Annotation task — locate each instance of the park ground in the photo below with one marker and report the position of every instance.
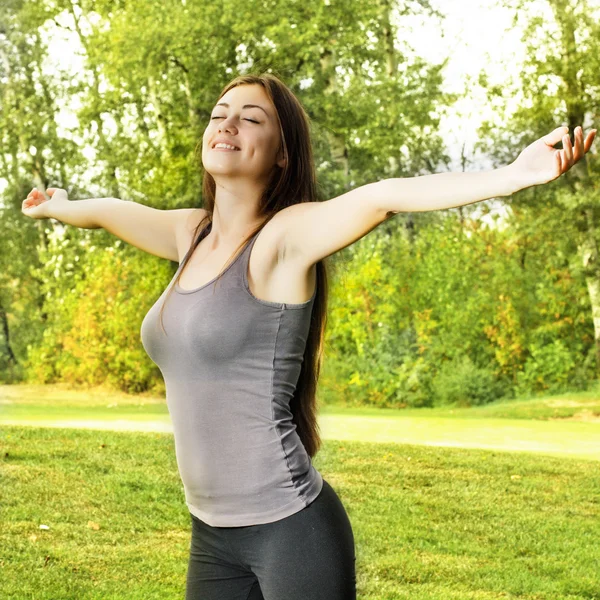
(493, 502)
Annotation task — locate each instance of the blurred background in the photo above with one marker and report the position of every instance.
(463, 307)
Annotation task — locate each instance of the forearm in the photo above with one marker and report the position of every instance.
(441, 191)
(86, 214)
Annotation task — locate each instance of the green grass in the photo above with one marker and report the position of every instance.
(429, 523)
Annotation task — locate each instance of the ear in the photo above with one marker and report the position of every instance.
(281, 160)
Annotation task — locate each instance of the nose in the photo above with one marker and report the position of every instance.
(226, 126)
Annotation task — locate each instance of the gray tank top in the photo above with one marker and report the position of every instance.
(231, 363)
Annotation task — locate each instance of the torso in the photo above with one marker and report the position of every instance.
(270, 276)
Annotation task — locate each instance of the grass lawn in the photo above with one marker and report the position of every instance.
(429, 522)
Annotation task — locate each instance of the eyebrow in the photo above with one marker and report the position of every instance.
(245, 106)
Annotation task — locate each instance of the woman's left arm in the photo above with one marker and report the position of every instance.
(311, 231)
(539, 163)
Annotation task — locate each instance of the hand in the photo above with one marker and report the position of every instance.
(541, 163)
(38, 204)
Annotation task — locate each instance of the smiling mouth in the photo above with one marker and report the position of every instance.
(228, 149)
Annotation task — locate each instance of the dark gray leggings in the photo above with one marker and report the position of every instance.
(309, 555)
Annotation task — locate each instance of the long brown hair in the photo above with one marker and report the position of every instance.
(294, 183)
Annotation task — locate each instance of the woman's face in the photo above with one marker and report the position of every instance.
(254, 130)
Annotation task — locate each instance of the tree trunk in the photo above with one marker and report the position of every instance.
(588, 251)
(163, 134)
(112, 167)
(337, 142)
(574, 90)
(5, 331)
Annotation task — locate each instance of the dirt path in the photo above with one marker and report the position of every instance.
(563, 438)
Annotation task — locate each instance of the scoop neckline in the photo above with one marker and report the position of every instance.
(181, 290)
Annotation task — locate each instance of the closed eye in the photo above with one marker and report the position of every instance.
(251, 120)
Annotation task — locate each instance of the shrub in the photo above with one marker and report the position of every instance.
(549, 368)
(460, 382)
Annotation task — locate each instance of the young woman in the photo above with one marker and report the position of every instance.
(238, 333)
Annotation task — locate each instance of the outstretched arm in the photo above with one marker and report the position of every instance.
(311, 231)
(539, 163)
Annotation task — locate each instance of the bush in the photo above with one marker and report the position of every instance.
(460, 382)
(92, 334)
(376, 380)
(549, 368)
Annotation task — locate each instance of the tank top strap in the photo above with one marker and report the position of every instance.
(249, 245)
(238, 267)
(241, 264)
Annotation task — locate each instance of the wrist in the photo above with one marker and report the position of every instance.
(54, 210)
(515, 178)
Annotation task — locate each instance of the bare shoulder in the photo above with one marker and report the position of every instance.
(192, 217)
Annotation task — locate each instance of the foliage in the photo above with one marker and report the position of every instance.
(429, 309)
(460, 382)
(469, 309)
(92, 335)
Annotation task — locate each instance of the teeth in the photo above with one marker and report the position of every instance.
(221, 145)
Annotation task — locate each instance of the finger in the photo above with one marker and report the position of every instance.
(578, 152)
(561, 166)
(555, 136)
(590, 139)
(568, 149)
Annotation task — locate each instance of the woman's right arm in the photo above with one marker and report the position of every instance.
(150, 229)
